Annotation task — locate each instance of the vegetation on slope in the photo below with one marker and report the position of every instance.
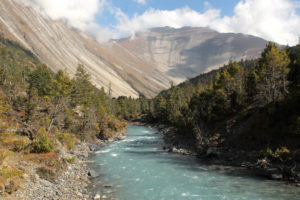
(42, 111)
(248, 105)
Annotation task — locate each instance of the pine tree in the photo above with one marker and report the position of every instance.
(42, 79)
(272, 71)
(83, 87)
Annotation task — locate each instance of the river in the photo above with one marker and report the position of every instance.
(138, 169)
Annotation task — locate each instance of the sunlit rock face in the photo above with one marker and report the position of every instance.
(60, 46)
(187, 52)
(144, 64)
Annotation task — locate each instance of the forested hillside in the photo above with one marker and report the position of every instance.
(41, 112)
(251, 105)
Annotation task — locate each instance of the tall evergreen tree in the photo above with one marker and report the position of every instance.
(272, 72)
(83, 87)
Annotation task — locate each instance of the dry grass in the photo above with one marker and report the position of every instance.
(13, 141)
(42, 157)
(8, 173)
(3, 155)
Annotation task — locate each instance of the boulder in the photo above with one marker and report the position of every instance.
(276, 176)
(274, 173)
(93, 174)
(107, 186)
(47, 174)
(97, 197)
(93, 147)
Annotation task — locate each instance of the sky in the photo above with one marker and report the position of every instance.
(273, 20)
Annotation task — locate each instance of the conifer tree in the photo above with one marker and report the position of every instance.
(272, 72)
(83, 87)
(42, 79)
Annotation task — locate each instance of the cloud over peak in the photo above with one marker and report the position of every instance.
(77, 13)
(275, 20)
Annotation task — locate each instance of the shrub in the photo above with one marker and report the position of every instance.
(267, 153)
(67, 139)
(3, 155)
(283, 153)
(52, 163)
(109, 126)
(106, 134)
(43, 144)
(21, 145)
(70, 160)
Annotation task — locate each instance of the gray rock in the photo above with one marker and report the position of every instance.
(276, 176)
(93, 173)
(274, 173)
(45, 183)
(97, 197)
(107, 186)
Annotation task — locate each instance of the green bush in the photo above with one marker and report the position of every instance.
(21, 145)
(52, 163)
(66, 138)
(283, 153)
(267, 153)
(43, 144)
(70, 160)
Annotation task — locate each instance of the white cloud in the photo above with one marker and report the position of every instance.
(274, 20)
(140, 1)
(77, 13)
(159, 18)
(80, 14)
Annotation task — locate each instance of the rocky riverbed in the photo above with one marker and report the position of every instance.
(72, 182)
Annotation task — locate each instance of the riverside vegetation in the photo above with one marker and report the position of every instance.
(247, 113)
(46, 116)
(249, 105)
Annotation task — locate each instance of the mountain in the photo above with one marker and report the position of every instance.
(187, 52)
(59, 46)
(145, 64)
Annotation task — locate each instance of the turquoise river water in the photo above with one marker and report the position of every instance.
(140, 170)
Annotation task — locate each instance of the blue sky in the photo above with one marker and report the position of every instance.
(273, 20)
(131, 7)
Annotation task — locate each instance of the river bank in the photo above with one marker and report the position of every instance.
(72, 181)
(231, 161)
